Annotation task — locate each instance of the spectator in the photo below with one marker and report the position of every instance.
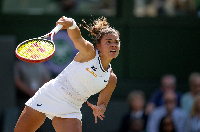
(191, 6)
(168, 109)
(169, 7)
(167, 125)
(168, 83)
(29, 77)
(188, 98)
(193, 121)
(139, 9)
(137, 125)
(135, 119)
(68, 6)
(103, 7)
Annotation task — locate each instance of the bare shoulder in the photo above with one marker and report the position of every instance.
(90, 49)
(89, 54)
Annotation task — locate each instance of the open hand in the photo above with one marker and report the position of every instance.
(96, 111)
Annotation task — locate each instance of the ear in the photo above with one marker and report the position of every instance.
(98, 46)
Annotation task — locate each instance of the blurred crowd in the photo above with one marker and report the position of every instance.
(141, 8)
(167, 110)
(153, 8)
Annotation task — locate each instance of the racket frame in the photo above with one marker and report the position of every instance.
(34, 60)
(51, 34)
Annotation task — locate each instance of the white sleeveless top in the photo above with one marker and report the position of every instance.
(81, 80)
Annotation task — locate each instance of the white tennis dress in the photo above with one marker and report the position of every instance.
(63, 96)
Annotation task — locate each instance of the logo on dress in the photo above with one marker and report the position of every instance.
(91, 72)
(94, 68)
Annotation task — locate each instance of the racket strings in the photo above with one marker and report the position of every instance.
(36, 54)
(36, 49)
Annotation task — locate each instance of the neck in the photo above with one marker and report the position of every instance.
(105, 63)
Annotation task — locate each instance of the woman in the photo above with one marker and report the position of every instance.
(89, 73)
(193, 121)
(167, 125)
(135, 119)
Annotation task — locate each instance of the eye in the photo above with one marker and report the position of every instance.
(108, 42)
(117, 41)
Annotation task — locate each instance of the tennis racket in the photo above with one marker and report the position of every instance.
(39, 49)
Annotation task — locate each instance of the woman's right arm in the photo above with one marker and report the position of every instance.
(85, 47)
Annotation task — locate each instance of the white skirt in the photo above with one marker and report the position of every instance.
(49, 101)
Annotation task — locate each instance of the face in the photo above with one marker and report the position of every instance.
(137, 103)
(168, 84)
(109, 46)
(195, 86)
(170, 101)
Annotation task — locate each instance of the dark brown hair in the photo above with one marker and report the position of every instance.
(99, 28)
(161, 127)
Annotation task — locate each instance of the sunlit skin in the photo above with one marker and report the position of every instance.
(108, 48)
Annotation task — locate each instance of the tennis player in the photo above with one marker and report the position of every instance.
(89, 73)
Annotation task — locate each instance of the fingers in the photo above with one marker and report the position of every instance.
(100, 115)
(64, 21)
(89, 104)
(96, 111)
(95, 119)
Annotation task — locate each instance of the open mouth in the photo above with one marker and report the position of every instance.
(113, 51)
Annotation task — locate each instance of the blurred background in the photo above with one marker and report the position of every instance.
(158, 37)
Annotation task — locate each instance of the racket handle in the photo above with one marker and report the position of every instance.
(57, 28)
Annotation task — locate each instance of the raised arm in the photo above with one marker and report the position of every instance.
(85, 47)
(104, 97)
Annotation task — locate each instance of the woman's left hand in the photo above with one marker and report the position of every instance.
(96, 111)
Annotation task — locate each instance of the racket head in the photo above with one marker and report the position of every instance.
(35, 50)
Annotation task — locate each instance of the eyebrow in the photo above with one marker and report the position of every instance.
(111, 39)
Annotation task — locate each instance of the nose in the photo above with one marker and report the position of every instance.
(113, 44)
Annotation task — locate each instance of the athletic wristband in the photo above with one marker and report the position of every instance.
(74, 24)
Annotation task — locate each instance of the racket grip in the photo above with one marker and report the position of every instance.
(57, 28)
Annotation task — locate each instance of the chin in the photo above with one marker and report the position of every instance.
(114, 56)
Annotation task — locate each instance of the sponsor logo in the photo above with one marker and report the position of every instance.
(91, 72)
(39, 104)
